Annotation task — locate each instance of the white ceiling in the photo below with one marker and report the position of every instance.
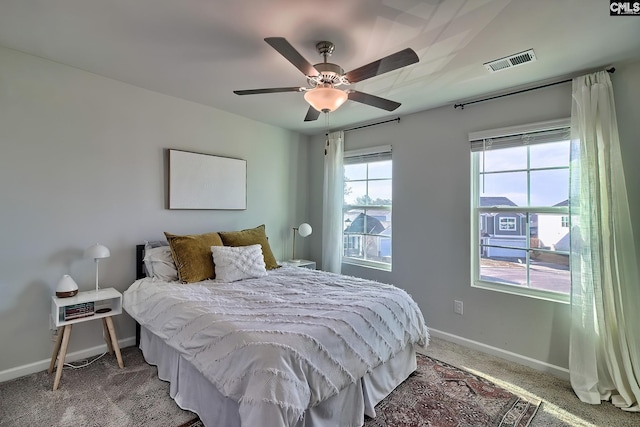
(202, 50)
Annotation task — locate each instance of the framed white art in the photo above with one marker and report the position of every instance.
(204, 181)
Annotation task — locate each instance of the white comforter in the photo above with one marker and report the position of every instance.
(290, 339)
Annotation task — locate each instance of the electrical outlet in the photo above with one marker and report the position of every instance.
(54, 335)
(457, 307)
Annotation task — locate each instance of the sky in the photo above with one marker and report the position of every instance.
(548, 186)
(380, 186)
(504, 175)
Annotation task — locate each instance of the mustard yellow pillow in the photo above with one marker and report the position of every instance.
(192, 255)
(251, 236)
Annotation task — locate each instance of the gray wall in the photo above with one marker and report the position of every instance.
(83, 161)
(626, 87)
(431, 202)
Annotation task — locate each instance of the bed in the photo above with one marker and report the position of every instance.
(293, 347)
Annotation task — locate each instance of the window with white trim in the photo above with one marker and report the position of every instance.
(508, 223)
(519, 210)
(367, 207)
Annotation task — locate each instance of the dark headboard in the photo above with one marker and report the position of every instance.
(140, 274)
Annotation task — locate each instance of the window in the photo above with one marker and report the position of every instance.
(508, 224)
(520, 210)
(367, 207)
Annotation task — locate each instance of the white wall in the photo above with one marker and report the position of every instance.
(83, 160)
(626, 87)
(431, 202)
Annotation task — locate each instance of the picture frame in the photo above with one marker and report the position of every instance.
(205, 181)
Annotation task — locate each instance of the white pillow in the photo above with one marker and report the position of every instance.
(159, 263)
(238, 262)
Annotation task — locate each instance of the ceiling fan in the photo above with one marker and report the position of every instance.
(324, 77)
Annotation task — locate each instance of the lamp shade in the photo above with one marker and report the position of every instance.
(304, 229)
(97, 251)
(67, 287)
(325, 98)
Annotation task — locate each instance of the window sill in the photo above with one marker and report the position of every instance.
(367, 264)
(522, 291)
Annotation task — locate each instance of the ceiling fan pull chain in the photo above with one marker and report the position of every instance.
(326, 122)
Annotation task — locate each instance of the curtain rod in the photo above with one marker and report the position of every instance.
(397, 119)
(609, 70)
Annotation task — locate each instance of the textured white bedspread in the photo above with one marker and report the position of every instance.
(290, 339)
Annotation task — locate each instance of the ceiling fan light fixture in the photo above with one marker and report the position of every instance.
(323, 78)
(325, 98)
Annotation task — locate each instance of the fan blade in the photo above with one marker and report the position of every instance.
(312, 114)
(388, 63)
(270, 90)
(374, 101)
(292, 55)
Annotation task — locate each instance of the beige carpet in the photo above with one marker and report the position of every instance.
(104, 395)
(560, 406)
(100, 394)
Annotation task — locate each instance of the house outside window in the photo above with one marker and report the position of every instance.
(367, 207)
(519, 210)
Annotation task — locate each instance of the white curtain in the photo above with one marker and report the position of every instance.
(604, 353)
(333, 196)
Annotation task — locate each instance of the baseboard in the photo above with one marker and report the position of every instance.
(539, 365)
(42, 365)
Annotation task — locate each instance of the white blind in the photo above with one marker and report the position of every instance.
(536, 133)
(366, 155)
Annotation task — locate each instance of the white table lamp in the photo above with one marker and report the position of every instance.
(97, 252)
(303, 230)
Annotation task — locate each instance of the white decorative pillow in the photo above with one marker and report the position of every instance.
(238, 262)
(159, 263)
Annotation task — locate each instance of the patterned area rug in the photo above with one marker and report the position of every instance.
(441, 395)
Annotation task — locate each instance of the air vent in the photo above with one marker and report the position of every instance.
(511, 61)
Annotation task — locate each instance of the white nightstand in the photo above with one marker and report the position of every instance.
(304, 263)
(88, 305)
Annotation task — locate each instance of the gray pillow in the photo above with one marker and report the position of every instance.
(158, 261)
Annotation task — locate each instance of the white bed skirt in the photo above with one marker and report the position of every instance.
(193, 392)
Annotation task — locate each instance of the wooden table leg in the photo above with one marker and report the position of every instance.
(63, 353)
(107, 336)
(114, 340)
(56, 349)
